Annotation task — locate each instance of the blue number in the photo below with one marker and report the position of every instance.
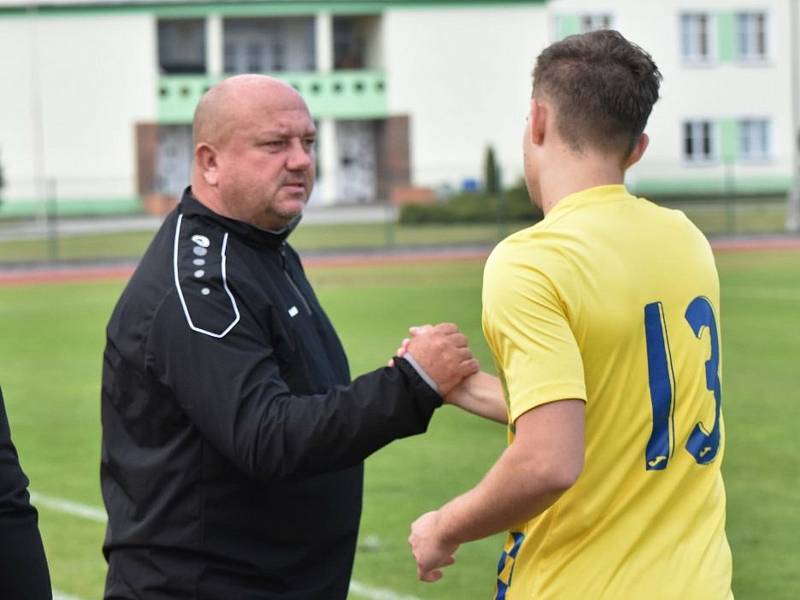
(659, 370)
(701, 445)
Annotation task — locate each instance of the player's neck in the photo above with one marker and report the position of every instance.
(563, 178)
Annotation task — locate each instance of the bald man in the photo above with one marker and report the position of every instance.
(233, 438)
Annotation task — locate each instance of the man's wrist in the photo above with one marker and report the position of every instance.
(421, 372)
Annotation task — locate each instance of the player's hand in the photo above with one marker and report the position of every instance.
(443, 352)
(431, 553)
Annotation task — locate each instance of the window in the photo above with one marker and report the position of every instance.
(349, 43)
(751, 35)
(249, 45)
(754, 139)
(699, 144)
(269, 45)
(695, 43)
(595, 22)
(182, 46)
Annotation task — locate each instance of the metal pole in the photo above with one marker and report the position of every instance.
(52, 221)
(793, 202)
(37, 127)
(390, 222)
(730, 201)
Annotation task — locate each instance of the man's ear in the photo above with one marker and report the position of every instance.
(206, 157)
(539, 117)
(637, 152)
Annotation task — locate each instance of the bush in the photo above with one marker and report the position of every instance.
(475, 207)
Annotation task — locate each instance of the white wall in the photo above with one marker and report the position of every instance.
(463, 76)
(16, 108)
(96, 77)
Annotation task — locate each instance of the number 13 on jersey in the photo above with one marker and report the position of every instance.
(701, 444)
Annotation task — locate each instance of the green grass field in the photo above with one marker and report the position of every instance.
(50, 354)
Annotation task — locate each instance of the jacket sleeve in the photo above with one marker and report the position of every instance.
(23, 566)
(232, 390)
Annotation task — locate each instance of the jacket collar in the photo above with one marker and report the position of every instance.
(190, 205)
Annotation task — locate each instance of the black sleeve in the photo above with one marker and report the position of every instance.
(23, 567)
(231, 388)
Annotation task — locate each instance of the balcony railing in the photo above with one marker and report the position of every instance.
(336, 95)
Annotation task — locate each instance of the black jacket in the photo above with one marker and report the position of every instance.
(23, 568)
(232, 435)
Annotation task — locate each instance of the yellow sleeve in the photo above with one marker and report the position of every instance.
(526, 327)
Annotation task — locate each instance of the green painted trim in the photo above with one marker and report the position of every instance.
(729, 139)
(726, 36)
(253, 8)
(758, 184)
(76, 206)
(567, 25)
(338, 95)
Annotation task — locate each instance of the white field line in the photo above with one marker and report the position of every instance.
(98, 515)
(57, 595)
(76, 509)
(371, 593)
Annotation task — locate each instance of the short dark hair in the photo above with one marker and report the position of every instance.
(603, 88)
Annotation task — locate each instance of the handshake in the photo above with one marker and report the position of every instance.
(442, 352)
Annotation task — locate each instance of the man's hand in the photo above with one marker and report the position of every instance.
(480, 394)
(443, 353)
(429, 549)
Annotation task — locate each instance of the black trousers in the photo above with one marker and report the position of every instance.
(23, 567)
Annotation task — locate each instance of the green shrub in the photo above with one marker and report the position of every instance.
(475, 207)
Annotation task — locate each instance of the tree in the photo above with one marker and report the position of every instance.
(491, 172)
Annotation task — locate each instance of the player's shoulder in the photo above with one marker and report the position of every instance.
(200, 272)
(527, 247)
(673, 227)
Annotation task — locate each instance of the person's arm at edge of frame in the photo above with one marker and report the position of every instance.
(544, 461)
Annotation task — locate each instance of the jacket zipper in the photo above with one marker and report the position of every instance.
(292, 283)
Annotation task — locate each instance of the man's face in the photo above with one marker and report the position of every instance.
(266, 164)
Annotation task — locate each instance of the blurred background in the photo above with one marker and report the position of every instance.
(420, 108)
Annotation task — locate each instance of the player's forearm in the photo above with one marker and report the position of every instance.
(513, 491)
(482, 395)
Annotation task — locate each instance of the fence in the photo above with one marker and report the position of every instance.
(55, 228)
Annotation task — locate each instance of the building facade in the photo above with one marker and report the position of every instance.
(725, 119)
(98, 96)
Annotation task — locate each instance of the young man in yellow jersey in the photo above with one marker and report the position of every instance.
(603, 320)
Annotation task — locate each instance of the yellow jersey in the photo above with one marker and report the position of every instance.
(615, 301)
